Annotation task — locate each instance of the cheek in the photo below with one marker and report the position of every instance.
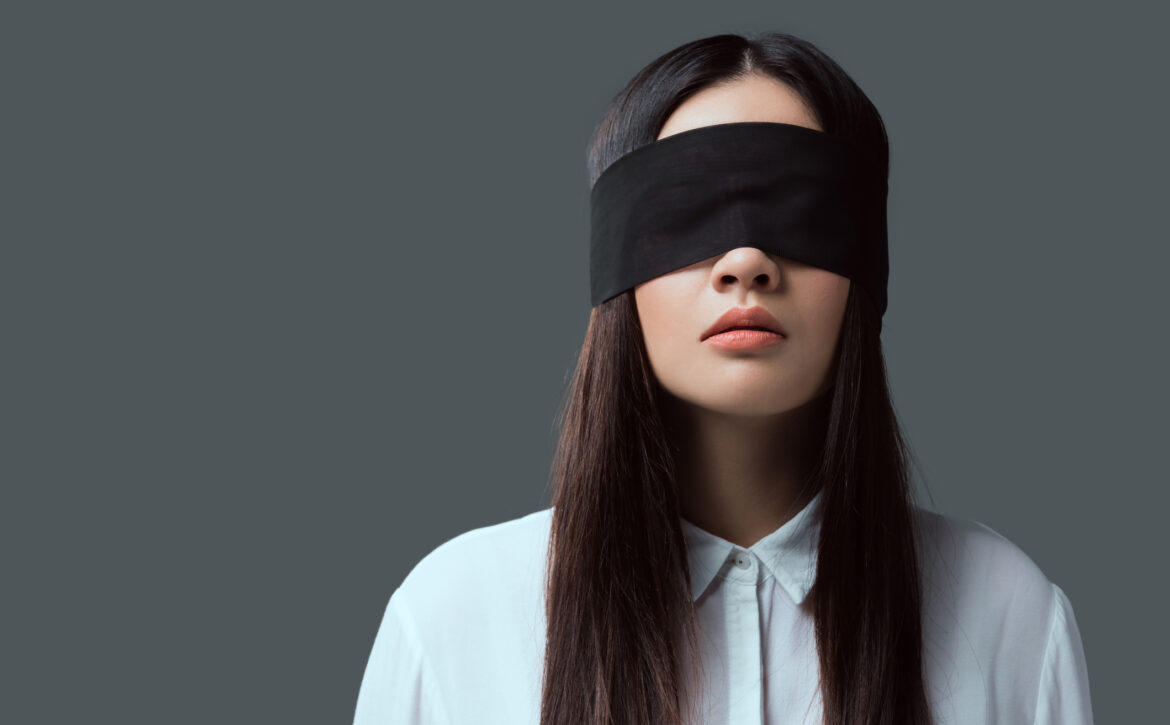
(818, 298)
(824, 295)
(658, 306)
(828, 288)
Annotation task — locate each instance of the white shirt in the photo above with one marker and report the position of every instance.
(462, 638)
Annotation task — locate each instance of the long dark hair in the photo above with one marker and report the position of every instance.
(621, 620)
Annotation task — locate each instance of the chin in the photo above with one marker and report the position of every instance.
(745, 405)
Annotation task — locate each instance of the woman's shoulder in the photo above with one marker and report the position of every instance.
(972, 554)
(484, 564)
(467, 619)
(980, 583)
(1000, 634)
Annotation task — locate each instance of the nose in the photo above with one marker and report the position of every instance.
(748, 267)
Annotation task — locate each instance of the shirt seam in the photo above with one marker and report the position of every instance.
(1046, 666)
(411, 633)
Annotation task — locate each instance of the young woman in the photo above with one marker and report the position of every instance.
(733, 537)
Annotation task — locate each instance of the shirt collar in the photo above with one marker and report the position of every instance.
(789, 552)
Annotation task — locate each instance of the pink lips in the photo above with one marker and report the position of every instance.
(745, 339)
(733, 329)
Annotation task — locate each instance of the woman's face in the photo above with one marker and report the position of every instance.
(809, 302)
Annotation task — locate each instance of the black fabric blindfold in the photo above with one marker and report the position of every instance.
(789, 190)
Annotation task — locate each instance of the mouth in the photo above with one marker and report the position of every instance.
(745, 318)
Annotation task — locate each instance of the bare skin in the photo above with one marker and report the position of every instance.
(747, 423)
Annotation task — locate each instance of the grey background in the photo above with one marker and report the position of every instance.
(291, 292)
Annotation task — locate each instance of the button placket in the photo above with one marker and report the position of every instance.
(746, 658)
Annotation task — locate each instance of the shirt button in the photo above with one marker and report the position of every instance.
(742, 561)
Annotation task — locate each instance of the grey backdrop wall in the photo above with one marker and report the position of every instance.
(291, 292)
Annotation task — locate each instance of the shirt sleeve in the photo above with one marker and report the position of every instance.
(1064, 677)
(398, 687)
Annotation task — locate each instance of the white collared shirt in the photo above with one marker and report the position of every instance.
(462, 638)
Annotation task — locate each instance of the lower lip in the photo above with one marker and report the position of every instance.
(745, 339)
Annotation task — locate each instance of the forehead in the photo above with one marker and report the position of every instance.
(755, 98)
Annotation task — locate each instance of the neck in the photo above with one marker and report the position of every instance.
(740, 477)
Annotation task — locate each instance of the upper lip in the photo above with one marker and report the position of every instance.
(744, 317)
